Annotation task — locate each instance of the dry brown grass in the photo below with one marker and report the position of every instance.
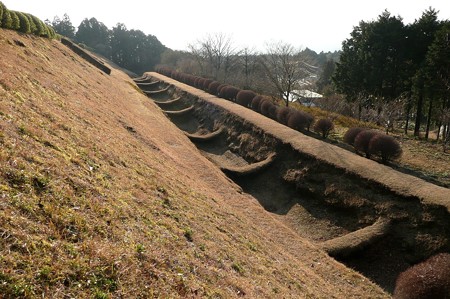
(102, 197)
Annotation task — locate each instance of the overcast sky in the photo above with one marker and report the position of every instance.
(320, 25)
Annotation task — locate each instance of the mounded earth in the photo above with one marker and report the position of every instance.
(103, 196)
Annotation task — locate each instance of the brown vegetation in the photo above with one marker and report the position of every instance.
(350, 135)
(245, 97)
(362, 141)
(283, 115)
(385, 147)
(427, 280)
(323, 126)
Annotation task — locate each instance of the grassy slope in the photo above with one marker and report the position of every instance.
(101, 196)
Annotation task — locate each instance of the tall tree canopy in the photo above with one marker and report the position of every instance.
(64, 26)
(134, 50)
(384, 61)
(95, 35)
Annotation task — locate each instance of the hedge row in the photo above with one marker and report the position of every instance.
(373, 143)
(24, 22)
(290, 117)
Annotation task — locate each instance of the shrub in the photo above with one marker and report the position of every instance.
(6, 19)
(362, 141)
(245, 97)
(24, 23)
(199, 83)
(50, 32)
(206, 83)
(213, 87)
(15, 25)
(350, 135)
(324, 126)
(427, 280)
(266, 107)
(173, 74)
(283, 115)
(2, 9)
(40, 26)
(230, 92)
(256, 103)
(299, 120)
(386, 147)
(33, 26)
(221, 89)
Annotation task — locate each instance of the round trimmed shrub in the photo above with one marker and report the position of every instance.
(6, 19)
(200, 82)
(283, 115)
(427, 280)
(221, 90)
(213, 87)
(362, 141)
(24, 23)
(256, 103)
(350, 135)
(40, 26)
(245, 97)
(323, 126)
(51, 33)
(206, 84)
(300, 120)
(230, 92)
(2, 9)
(386, 147)
(15, 25)
(33, 26)
(268, 109)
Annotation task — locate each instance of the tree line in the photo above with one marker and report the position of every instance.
(278, 71)
(399, 70)
(131, 49)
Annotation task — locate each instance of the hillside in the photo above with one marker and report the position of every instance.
(102, 196)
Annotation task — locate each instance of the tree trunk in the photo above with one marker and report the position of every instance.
(419, 112)
(430, 109)
(408, 112)
(439, 131)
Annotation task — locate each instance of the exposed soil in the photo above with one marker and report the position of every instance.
(324, 192)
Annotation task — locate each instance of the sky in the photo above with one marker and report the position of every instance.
(320, 25)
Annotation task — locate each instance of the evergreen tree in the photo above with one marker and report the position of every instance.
(95, 35)
(325, 77)
(421, 36)
(64, 26)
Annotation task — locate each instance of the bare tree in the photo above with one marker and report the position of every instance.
(284, 67)
(248, 65)
(214, 54)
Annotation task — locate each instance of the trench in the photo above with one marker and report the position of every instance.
(370, 226)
